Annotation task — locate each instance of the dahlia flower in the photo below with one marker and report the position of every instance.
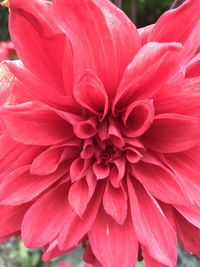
(100, 132)
(7, 50)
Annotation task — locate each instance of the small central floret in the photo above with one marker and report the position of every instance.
(107, 154)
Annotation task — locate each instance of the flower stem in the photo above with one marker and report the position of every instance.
(177, 3)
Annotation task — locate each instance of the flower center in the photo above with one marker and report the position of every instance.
(107, 154)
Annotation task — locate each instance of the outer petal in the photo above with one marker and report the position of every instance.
(45, 218)
(169, 28)
(160, 182)
(6, 80)
(153, 232)
(20, 187)
(188, 235)
(186, 94)
(193, 68)
(115, 203)
(98, 38)
(11, 218)
(169, 133)
(154, 65)
(113, 244)
(43, 52)
(149, 261)
(35, 123)
(76, 228)
(32, 87)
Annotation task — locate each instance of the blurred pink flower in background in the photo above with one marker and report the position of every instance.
(63, 264)
(7, 50)
(100, 132)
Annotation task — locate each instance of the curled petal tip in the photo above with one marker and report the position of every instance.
(6, 3)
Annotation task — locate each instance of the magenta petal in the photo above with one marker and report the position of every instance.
(75, 227)
(113, 244)
(6, 81)
(149, 261)
(160, 182)
(32, 87)
(187, 94)
(48, 161)
(138, 118)
(193, 68)
(20, 186)
(43, 52)
(101, 49)
(86, 129)
(90, 93)
(45, 218)
(169, 27)
(188, 235)
(191, 213)
(153, 232)
(78, 168)
(81, 192)
(140, 80)
(169, 133)
(35, 123)
(101, 170)
(115, 203)
(11, 218)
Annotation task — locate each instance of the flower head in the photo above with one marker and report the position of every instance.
(100, 132)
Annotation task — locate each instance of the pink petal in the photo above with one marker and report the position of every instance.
(193, 68)
(86, 129)
(149, 261)
(138, 118)
(81, 192)
(144, 33)
(117, 172)
(47, 162)
(113, 244)
(20, 186)
(6, 81)
(169, 133)
(75, 227)
(88, 149)
(35, 123)
(187, 94)
(160, 182)
(101, 170)
(34, 88)
(115, 203)
(153, 232)
(101, 49)
(191, 213)
(43, 52)
(90, 93)
(45, 218)
(78, 168)
(140, 79)
(188, 235)
(186, 167)
(11, 218)
(169, 27)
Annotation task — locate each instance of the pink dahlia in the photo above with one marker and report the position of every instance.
(100, 132)
(7, 50)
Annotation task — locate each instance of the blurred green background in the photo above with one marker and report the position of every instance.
(14, 253)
